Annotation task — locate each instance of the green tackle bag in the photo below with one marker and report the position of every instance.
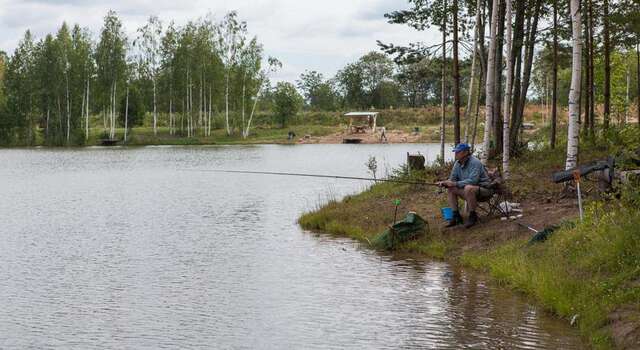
(411, 227)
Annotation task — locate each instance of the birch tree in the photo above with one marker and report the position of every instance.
(443, 124)
(574, 92)
(168, 51)
(490, 87)
(63, 53)
(263, 82)
(473, 81)
(81, 71)
(507, 92)
(149, 45)
(231, 36)
(111, 66)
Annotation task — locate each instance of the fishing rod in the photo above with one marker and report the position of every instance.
(317, 176)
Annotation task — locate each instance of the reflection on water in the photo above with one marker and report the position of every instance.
(123, 248)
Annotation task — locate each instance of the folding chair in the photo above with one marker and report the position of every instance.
(492, 205)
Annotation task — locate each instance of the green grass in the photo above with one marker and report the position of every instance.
(590, 270)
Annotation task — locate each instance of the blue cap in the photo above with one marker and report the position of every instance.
(461, 147)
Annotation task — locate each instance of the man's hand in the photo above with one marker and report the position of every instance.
(447, 184)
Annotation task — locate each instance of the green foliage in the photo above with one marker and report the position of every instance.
(368, 82)
(137, 108)
(110, 58)
(319, 94)
(287, 102)
(596, 259)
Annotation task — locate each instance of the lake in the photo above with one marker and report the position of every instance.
(144, 248)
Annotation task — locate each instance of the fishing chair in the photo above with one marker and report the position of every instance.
(493, 204)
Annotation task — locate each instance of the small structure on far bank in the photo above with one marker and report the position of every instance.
(362, 122)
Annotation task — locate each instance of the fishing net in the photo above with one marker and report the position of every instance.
(411, 227)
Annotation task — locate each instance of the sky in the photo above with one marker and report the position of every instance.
(305, 35)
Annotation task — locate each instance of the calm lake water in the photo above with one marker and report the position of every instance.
(124, 248)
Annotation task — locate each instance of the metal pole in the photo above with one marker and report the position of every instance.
(576, 177)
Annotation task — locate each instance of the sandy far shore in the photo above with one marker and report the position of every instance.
(393, 136)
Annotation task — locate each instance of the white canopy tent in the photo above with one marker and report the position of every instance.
(369, 117)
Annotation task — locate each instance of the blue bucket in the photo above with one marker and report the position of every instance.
(447, 213)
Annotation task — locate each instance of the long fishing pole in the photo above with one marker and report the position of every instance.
(316, 176)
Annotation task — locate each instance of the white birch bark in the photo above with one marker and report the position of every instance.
(627, 105)
(507, 92)
(68, 113)
(203, 103)
(247, 130)
(244, 92)
(126, 115)
(210, 110)
(574, 94)
(172, 122)
(226, 102)
(84, 100)
(490, 83)
(86, 131)
(155, 109)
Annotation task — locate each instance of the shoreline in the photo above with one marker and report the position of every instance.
(334, 138)
(558, 274)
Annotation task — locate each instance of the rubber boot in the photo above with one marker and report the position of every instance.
(472, 220)
(457, 220)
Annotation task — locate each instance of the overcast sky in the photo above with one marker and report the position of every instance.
(305, 35)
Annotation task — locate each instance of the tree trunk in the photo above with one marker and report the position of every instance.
(638, 81)
(491, 71)
(203, 102)
(155, 109)
(115, 109)
(68, 113)
(226, 101)
(255, 103)
(591, 68)
(587, 101)
(244, 93)
(444, 83)
(518, 117)
(507, 93)
(554, 99)
(477, 110)
(483, 75)
(607, 65)
(126, 114)
(47, 128)
(210, 110)
(516, 53)
(474, 74)
(574, 93)
(497, 110)
(628, 99)
(456, 77)
(87, 114)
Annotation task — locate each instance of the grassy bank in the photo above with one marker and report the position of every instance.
(588, 271)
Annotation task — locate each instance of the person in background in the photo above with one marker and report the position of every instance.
(468, 180)
(383, 135)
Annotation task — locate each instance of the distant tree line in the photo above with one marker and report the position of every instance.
(55, 87)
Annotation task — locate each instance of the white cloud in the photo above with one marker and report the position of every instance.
(315, 35)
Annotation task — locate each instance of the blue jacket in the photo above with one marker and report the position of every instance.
(471, 173)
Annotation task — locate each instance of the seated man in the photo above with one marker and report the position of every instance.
(468, 180)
